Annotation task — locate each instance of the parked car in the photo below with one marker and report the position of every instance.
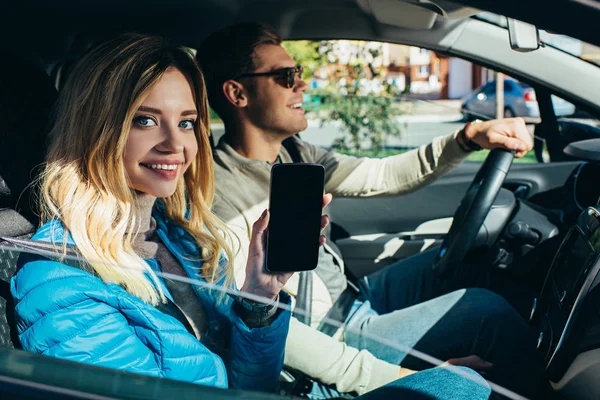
(519, 101)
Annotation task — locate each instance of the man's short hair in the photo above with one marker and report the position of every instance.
(228, 53)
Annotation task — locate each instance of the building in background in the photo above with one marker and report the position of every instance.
(417, 72)
(432, 75)
(426, 74)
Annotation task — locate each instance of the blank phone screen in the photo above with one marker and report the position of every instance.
(294, 228)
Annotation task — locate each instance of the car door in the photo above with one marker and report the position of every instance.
(374, 232)
(389, 229)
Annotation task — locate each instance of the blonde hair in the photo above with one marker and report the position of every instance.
(84, 184)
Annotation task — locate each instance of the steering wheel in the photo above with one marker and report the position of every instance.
(473, 210)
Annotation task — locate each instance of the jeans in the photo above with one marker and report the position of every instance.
(410, 307)
(448, 383)
(454, 383)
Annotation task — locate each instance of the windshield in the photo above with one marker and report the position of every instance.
(567, 44)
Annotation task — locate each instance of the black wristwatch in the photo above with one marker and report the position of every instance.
(256, 314)
(463, 141)
(257, 306)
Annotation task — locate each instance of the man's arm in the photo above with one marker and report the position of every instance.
(348, 176)
(346, 367)
(333, 362)
(351, 176)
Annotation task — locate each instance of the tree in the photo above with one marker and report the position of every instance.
(355, 94)
(307, 54)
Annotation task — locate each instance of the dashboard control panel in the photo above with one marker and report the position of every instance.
(568, 301)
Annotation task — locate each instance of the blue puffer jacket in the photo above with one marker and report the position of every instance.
(65, 312)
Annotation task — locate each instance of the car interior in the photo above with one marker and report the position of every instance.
(533, 229)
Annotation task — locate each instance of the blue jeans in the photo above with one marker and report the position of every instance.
(410, 307)
(454, 383)
(448, 383)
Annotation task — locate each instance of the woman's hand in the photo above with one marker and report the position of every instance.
(259, 281)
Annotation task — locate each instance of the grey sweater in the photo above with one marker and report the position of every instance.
(147, 244)
(242, 187)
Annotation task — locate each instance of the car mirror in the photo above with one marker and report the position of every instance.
(523, 37)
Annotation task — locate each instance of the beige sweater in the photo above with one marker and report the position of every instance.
(242, 195)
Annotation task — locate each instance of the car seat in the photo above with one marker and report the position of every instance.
(27, 98)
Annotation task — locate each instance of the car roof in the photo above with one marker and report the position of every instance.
(54, 32)
(52, 24)
(583, 15)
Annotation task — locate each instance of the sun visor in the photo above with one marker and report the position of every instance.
(413, 14)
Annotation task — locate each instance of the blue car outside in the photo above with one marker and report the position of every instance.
(519, 101)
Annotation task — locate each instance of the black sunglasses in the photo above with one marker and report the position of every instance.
(288, 73)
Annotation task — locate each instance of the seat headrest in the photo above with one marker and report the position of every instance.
(27, 98)
(14, 224)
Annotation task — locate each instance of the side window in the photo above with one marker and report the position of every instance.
(423, 70)
(574, 124)
(378, 99)
(564, 109)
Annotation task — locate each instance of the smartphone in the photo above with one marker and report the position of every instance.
(295, 205)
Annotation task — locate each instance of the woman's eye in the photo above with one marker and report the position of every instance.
(144, 121)
(187, 124)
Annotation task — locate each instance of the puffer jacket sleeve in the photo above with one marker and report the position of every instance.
(256, 355)
(68, 313)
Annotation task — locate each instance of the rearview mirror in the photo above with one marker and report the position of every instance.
(523, 37)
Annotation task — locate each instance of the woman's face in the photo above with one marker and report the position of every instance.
(162, 143)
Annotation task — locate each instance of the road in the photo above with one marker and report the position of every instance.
(417, 130)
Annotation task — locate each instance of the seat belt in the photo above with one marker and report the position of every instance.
(343, 305)
(169, 308)
(548, 124)
(292, 149)
(303, 309)
(300, 384)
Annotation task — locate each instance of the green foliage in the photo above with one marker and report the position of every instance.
(214, 117)
(367, 121)
(365, 111)
(306, 53)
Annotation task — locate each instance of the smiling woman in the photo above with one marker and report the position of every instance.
(161, 142)
(110, 154)
(132, 126)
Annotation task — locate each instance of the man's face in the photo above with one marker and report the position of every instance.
(272, 106)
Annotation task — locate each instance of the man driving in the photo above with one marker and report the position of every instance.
(257, 89)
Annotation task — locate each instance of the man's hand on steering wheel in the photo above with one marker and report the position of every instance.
(506, 138)
(508, 133)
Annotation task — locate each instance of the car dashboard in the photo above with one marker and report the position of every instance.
(560, 241)
(566, 312)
